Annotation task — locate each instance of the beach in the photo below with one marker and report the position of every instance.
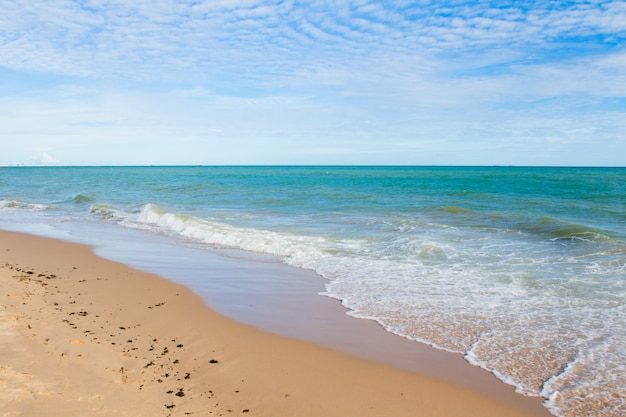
(429, 188)
(86, 336)
(513, 275)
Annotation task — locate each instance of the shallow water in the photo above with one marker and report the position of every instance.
(522, 270)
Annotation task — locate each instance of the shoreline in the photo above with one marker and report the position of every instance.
(119, 338)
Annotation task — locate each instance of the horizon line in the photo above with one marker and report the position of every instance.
(304, 166)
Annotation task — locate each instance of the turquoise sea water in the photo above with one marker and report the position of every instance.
(523, 270)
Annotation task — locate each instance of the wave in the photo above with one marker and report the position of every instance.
(557, 230)
(81, 199)
(105, 211)
(454, 209)
(296, 249)
(18, 205)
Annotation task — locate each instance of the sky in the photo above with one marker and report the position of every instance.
(238, 82)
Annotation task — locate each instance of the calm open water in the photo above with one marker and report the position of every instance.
(523, 270)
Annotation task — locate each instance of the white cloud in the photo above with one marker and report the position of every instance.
(47, 159)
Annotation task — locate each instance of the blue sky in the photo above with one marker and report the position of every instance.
(108, 82)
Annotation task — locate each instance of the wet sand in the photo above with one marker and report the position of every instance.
(80, 335)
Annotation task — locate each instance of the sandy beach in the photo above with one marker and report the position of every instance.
(84, 336)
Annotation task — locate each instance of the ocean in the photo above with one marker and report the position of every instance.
(521, 270)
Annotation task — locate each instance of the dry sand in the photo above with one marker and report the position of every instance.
(83, 336)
